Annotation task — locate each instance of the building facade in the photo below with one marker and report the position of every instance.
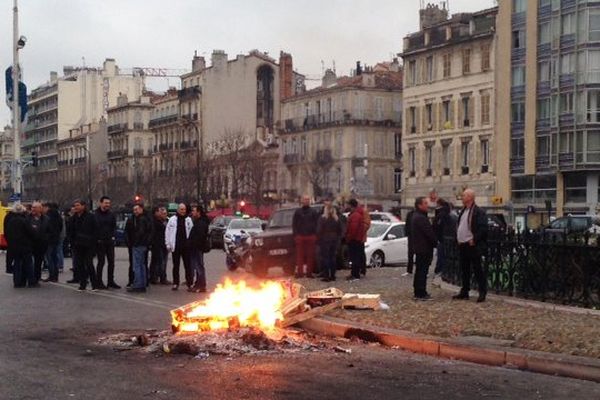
(6, 158)
(80, 97)
(549, 103)
(449, 96)
(343, 138)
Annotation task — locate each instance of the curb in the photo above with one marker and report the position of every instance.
(525, 302)
(497, 356)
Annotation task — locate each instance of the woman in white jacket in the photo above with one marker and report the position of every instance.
(177, 234)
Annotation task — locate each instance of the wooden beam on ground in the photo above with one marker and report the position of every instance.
(314, 312)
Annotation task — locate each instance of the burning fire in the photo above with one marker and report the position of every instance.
(233, 305)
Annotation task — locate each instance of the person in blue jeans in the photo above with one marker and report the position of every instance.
(198, 244)
(140, 241)
(329, 235)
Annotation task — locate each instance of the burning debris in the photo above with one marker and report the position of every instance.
(239, 319)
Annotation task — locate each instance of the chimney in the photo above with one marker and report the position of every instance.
(110, 67)
(198, 62)
(218, 59)
(53, 76)
(432, 15)
(358, 68)
(329, 79)
(286, 76)
(122, 100)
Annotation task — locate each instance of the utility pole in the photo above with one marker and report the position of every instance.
(89, 167)
(17, 171)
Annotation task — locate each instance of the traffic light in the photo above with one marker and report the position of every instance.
(242, 205)
(34, 158)
(137, 199)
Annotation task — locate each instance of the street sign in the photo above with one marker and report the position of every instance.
(363, 187)
(14, 197)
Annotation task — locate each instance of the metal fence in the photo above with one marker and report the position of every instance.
(554, 267)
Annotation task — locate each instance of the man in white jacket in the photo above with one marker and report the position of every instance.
(177, 234)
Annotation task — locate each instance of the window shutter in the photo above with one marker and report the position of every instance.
(418, 119)
(440, 116)
(472, 111)
(453, 113)
(461, 114)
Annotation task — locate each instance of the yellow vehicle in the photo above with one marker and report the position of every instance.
(3, 211)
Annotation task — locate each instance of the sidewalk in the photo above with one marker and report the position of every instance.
(495, 321)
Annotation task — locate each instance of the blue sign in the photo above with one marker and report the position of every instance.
(15, 197)
(23, 107)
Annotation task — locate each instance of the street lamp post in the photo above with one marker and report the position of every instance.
(18, 43)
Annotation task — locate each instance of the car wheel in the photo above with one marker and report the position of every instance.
(377, 259)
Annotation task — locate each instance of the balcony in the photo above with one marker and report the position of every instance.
(169, 119)
(138, 126)
(291, 159)
(116, 128)
(339, 118)
(189, 94)
(138, 153)
(114, 154)
(324, 157)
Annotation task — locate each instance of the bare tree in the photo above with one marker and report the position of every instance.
(317, 170)
(230, 148)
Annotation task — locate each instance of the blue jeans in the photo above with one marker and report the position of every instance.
(52, 260)
(139, 267)
(197, 261)
(23, 270)
(329, 257)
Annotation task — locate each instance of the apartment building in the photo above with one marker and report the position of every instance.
(449, 95)
(6, 158)
(80, 97)
(548, 104)
(343, 138)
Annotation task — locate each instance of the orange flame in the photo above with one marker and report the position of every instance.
(233, 303)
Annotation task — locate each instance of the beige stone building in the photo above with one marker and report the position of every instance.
(343, 138)
(80, 97)
(449, 96)
(82, 163)
(130, 147)
(6, 158)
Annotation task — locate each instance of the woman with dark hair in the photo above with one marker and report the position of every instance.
(445, 228)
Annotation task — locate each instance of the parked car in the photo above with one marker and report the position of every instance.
(120, 240)
(275, 246)
(236, 227)
(216, 230)
(573, 224)
(383, 216)
(386, 244)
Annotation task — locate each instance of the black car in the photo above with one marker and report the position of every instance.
(275, 246)
(573, 224)
(217, 229)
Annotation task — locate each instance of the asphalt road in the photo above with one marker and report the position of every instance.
(48, 351)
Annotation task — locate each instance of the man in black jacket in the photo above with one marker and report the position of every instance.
(105, 247)
(423, 241)
(158, 263)
(55, 227)
(411, 253)
(39, 223)
(198, 244)
(9, 257)
(472, 236)
(83, 240)
(140, 241)
(20, 237)
(304, 229)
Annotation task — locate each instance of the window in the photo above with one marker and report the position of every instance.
(447, 61)
(485, 109)
(412, 114)
(429, 159)
(485, 57)
(576, 188)
(485, 155)
(566, 103)
(429, 113)
(567, 63)
(543, 108)
(518, 112)
(543, 146)
(464, 157)
(593, 106)
(466, 61)
(397, 180)
(429, 68)
(361, 144)
(303, 147)
(517, 148)
(447, 111)
(518, 39)
(466, 103)
(519, 6)
(565, 144)
(594, 26)
(338, 144)
(379, 108)
(412, 159)
(397, 145)
(568, 25)
(544, 71)
(518, 76)
(593, 146)
(446, 157)
(412, 72)
(545, 33)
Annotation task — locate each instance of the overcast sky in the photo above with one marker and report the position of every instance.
(165, 33)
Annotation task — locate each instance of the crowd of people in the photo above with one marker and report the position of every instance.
(35, 237)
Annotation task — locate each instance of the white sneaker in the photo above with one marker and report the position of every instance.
(406, 274)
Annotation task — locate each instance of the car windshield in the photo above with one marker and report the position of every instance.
(377, 230)
(244, 224)
(282, 219)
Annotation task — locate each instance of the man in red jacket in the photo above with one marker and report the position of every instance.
(355, 239)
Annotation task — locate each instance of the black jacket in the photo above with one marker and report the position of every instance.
(55, 226)
(479, 224)
(158, 234)
(328, 229)
(199, 234)
(305, 221)
(83, 230)
(444, 223)
(107, 225)
(20, 236)
(42, 233)
(141, 231)
(422, 235)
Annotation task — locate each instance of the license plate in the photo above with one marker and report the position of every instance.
(278, 252)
